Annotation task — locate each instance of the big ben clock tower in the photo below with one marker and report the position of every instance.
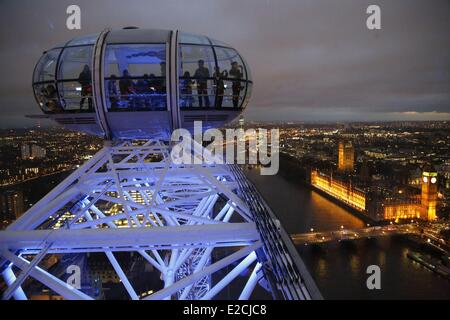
(429, 193)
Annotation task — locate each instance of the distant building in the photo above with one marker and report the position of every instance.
(11, 206)
(365, 171)
(25, 151)
(346, 156)
(422, 206)
(429, 192)
(37, 152)
(396, 204)
(32, 152)
(341, 190)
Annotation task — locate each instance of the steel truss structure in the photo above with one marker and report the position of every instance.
(131, 197)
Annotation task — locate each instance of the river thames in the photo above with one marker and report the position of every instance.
(339, 269)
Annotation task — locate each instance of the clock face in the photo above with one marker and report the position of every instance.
(433, 180)
(425, 179)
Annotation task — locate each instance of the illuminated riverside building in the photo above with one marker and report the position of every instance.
(421, 206)
(378, 204)
(346, 156)
(395, 209)
(340, 190)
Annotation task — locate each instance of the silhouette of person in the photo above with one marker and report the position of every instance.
(161, 88)
(86, 88)
(143, 89)
(153, 85)
(237, 74)
(202, 75)
(126, 86)
(186, 90)
(112, 91)
(219, 84)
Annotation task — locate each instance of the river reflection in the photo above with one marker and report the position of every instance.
(301, 208)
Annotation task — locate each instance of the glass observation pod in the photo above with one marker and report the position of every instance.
(136, 83)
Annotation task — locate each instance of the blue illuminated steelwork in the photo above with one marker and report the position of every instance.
(187, 222)
(174, 216)
(121, 201)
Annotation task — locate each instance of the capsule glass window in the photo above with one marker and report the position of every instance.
(44, 84)
(135, 77)
(75, 79)
(46, 67)
(196, 76)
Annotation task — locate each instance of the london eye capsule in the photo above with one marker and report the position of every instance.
(137, 83)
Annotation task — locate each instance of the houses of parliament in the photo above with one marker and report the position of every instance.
(379, 200)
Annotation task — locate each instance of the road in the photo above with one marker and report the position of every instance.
(430, 231)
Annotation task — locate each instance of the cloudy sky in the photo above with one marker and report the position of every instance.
(311, 60)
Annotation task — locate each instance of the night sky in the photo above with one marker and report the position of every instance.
(311, 60)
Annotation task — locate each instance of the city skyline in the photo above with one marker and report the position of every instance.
(311, 61)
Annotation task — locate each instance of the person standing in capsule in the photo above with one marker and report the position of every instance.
(237, 74)
(86, 88)
(202, 75)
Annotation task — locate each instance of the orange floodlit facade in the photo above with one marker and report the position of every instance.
(346, 156)
(422, 206)
(342, 191)
(429, 194)
(402, 211)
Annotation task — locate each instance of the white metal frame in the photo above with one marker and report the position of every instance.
(174, 216)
